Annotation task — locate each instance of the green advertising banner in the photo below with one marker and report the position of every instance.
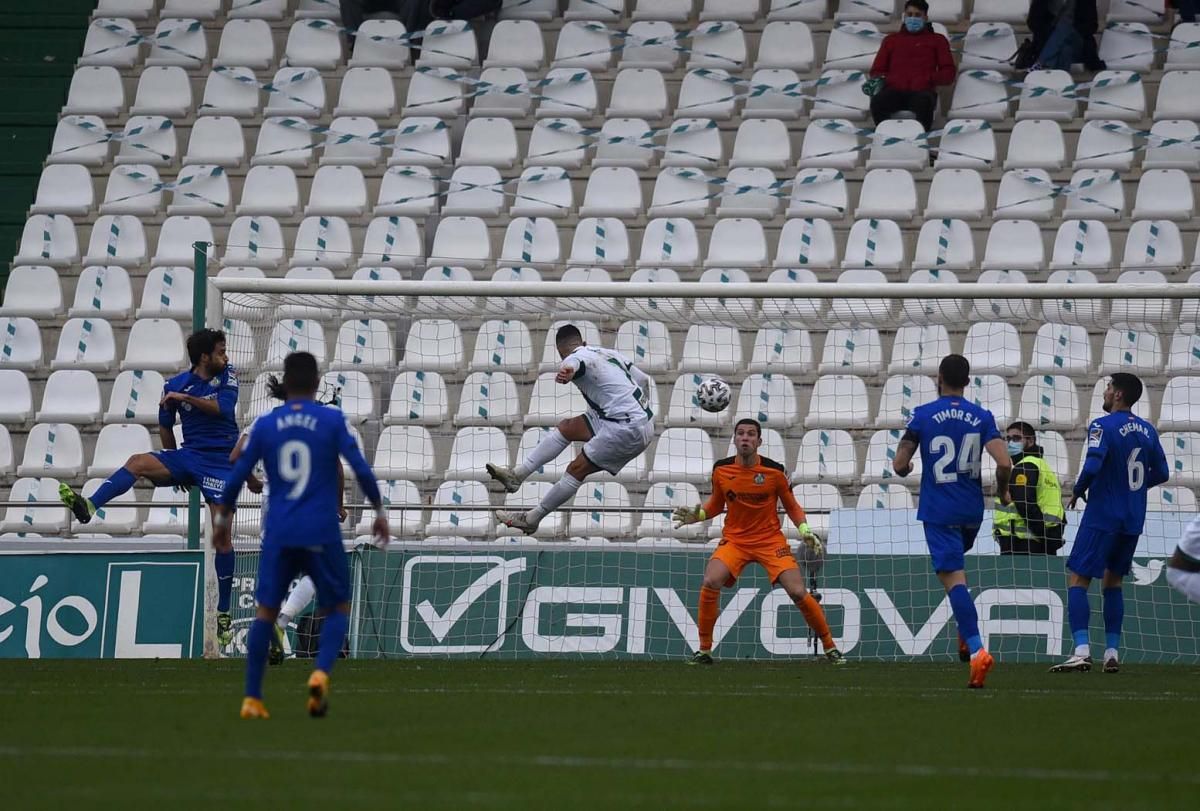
(526, 602)
(111, 606)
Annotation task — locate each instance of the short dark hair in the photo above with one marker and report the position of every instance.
(203, 342)
(955, 371)
(747, 421)
(300, 374)
(1025, 428)
(1129, 385)
(567, 333)
(919, 5)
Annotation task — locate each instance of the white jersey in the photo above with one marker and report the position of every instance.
(1189, 544)
(614, 388)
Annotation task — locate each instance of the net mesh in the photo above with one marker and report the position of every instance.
(440, 379)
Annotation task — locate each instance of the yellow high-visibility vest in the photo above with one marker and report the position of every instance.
(1008, 521)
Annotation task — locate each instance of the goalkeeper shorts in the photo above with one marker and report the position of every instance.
(776, 558)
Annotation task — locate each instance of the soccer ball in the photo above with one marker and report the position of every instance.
(713, 394)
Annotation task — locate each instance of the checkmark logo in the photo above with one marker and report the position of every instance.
(442, 623)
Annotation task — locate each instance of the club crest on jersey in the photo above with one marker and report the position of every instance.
(759, 478)
(1095, 434)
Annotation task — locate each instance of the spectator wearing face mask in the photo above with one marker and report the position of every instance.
(1033, 523)
(911, 64)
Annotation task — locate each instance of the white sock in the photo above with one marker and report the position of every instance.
(559, 494)
(550, 446)
(1083, 650)
(299, 599)
(1110, 653)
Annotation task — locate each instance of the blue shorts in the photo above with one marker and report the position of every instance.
(948, 544)
(326, 564)
(1096, 551)
(207, 470)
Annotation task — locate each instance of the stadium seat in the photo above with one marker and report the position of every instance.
(720, 44)
(304, 96)
(852, 45)
(115, 444)
(391, 242)
(364, 345)
(95, 90)
(1036, 143)
(612, 191)
(980, 94)
(170, 516)
(135, 398)
(819, 193)
(919, 349)
(1081, 243)
(1171, 499)
(271, 191)
(503, 346)
(48, 240)
(833, 143)
(111, 41)
(354, 392)
(711, 348)
(472, 449)
(163, 90)
(875, 243)
(365, 149)
(1180, 410)
(85, 343)
(556, 142)
(773, 101)
(740, 10)
(993, 348)
(516, 44)
(600, 241)
(543, 191)
(254, 241)
(683, 455)
(70, 396)
(669, 496)
(782, 351)
(455, 494)
(1183, 356)
(177, 238)
(296, 335)
(1183, 51)
(488, 398)
(1178, 155)
(787, 45)
(431, 94)
(323, 241)
(64, 189)
(968, 143)
(956, 193)
(647, 344)
(34, 291)
(570, 93)
(650, 44)
(1074, 311)
(1164, 194)
(806, 242)
(805, 10)
(403, 523)
(737, 242)
(684, 409)
(179, 42)
(881, 450)
(838, 401)
(417, 398)
(671, 10)
(1143, 313)
(1049, 401)
(550, 403)
(705, 95)
(367, 92)
(313, 46)
(157, 343)
(404, 452)
(884, 497)
(118, 240)
(988, 46)
(1025, 194)
(945, 244)
(445, 305)
(851, 351)
(52, 449)
(102, 292)
(826, 456)
(769, 398)
(16, 399)
(839, 95)
(755, 194)
(991, 392)
(28, 518)
(1137, 351)
(901, 394)
(680, 194)
(509, 306)
(246, 42)
(1118, 95)
(488, 142)
(20, 343)
(231, 92)
(532, 241)
(588, 521)
(1127, 46)
(1182, 449)
(1014, 245)
(1153, 244)
(1043, 95)
(1061, 349)
(407, 191)
(167, 293)
(337, 191)
(498, 98)
(433, 346)
(898, 144)
(112, 518)
(81, 139)
(217, 141)
(1102, 197)
(581, 45)
(475, 191)
(380, 43)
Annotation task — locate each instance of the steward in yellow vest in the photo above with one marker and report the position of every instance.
(1033, 523)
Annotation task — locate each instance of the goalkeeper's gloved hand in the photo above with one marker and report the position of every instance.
(809, 539)
(688, 515)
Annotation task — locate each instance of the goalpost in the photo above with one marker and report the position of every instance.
(439, 377)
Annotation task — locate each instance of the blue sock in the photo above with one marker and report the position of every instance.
(113, 486)
(1114, 614)
(966, 617)
(1077, 614)
(224, 566)
(257, 642)
(333, 635)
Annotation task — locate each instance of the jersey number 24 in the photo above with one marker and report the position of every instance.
(968, 455)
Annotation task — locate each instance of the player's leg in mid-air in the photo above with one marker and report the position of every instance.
(297, 600)
(179, 467)
(1095, 554)
(947, 548)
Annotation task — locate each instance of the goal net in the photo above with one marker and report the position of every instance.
(442, 376)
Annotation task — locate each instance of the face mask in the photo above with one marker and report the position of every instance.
(1016, 448)
(914, 24)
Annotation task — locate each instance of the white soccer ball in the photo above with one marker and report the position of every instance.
(713, 394)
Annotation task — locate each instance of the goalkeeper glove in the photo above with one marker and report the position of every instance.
(688, 515)
(809, 539)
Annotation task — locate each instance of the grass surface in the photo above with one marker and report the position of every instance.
(436, 734)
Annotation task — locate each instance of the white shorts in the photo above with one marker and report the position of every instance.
(614, 444)
(1186, 583)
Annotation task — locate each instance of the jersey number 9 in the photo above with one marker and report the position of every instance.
(295, 465)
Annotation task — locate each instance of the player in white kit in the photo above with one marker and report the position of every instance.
(617, 426)
(1183, 569)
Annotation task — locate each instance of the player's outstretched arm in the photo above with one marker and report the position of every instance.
(999, 453)
(693, 515)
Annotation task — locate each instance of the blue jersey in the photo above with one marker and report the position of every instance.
(200, 431)
(299, 444)
(1124, 460)
(951, 433)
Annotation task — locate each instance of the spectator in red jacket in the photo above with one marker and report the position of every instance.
(913, 63)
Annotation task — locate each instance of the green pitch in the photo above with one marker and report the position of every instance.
(571, 735)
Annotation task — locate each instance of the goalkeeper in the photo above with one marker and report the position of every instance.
(748, 487)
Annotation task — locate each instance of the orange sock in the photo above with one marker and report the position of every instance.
(814, 615)
(710, 605)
